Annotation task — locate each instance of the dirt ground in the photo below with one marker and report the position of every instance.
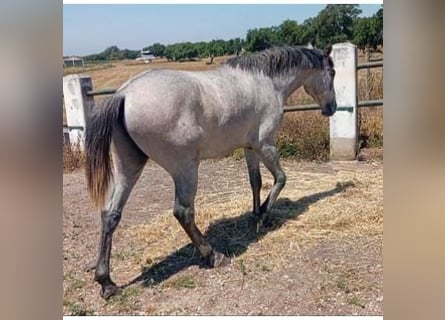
(321, 255)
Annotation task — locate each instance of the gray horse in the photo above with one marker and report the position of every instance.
(177, 118)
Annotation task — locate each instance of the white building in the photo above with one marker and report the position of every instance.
(146, 56)
(73, 62)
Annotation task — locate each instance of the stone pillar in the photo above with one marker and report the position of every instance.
(77, 105)
(343, 125)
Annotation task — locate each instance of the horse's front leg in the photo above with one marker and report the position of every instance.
(269, 155)
(253, 167)
(186, 183)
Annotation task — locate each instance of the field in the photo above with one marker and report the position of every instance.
(321, 255)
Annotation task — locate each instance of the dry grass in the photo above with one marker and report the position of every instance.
(371, 128)
(324, 235)
(371, 119)
(73, 157)
(349, 204)
(87, 68)
(304, 136)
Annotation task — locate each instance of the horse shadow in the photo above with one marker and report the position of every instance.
(232, 236)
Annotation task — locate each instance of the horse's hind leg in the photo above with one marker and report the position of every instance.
(186, 183)
(128, 163)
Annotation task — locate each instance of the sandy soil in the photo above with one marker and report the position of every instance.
(322, 256)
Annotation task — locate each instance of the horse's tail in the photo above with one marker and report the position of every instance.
(99, 130)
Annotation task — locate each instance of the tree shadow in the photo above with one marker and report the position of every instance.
(232, 236)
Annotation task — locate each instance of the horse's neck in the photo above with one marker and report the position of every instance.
(287, 83)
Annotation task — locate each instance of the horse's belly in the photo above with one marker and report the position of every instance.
(212, 152)
(214, 147)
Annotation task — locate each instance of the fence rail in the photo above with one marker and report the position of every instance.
(370, 103)
(92, 93)
(368, 65)
(311, 107)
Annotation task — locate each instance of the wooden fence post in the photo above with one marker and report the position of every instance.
(368, 74)
(343, 125)
(77, 105)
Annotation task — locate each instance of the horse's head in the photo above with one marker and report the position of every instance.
(320, 84)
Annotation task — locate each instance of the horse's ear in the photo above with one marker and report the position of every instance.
(309, 46)
(327, 50)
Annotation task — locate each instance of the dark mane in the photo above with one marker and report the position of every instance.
(276, 60)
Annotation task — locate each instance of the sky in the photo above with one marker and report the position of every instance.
(90, 28)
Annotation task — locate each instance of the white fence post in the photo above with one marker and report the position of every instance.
(77, 105)
(344, 123)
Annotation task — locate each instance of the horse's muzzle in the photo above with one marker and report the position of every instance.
(329, 109)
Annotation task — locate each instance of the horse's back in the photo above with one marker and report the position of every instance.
(209, 113)
(164, 87)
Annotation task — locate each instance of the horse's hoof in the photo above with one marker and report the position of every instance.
(268, 222)
(110, 290)
(255, 224)
(90, 266)
(217, 260)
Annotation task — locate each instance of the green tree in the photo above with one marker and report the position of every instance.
(189, 51)
(170, 52)
(262, 38)
(238, 45)
(201, 47)
(363, 32)
(181, 51)
(368, 32)
(230, 46)
(129, 54)
(109, 53)
(333, 24)
(234, 46)
(157, 49)
(290, 32)
(379, 22)
(379, 17)
(215, 48)
(309, 31)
